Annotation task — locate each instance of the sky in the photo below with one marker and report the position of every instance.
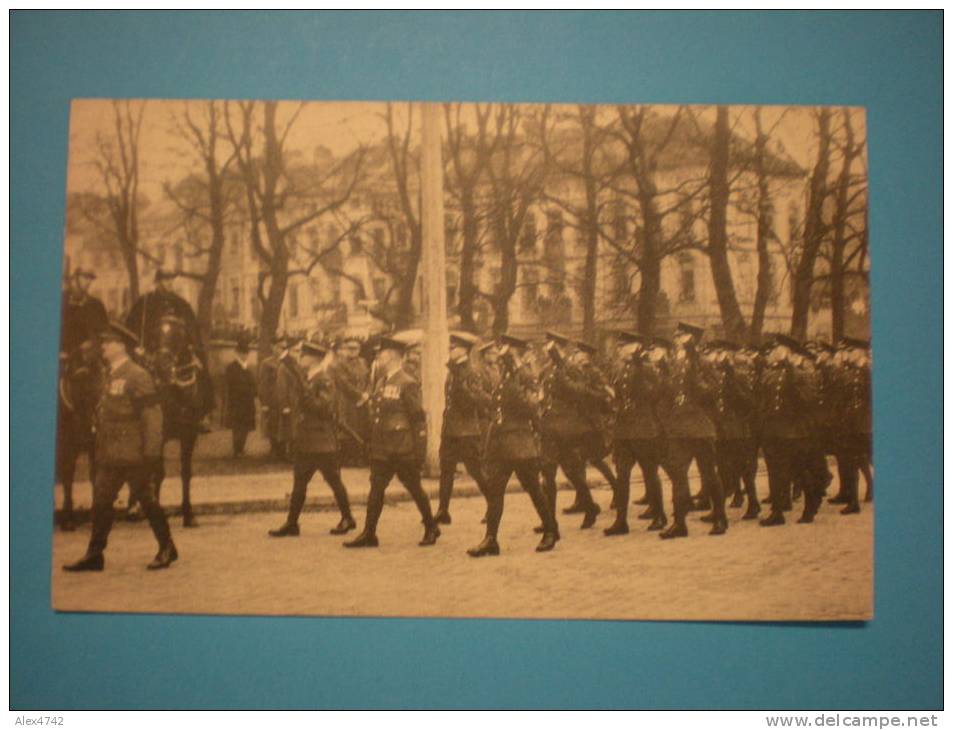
(339, 126)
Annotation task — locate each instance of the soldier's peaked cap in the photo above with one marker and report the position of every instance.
(118, 332)
(629, 336)
(486, 346)
(586, 347)
(463, 339)
(313, 348)
(691, 329)
(512, 341)
(387, 342)
(557, 337)
(855, 342)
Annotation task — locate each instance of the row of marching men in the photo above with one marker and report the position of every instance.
(660, 404)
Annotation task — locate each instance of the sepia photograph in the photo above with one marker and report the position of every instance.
(465, 359)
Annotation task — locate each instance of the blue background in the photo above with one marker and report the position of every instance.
(890, 63)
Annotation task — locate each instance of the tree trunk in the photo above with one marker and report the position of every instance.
(132, 269)
(839, 243)
(813, 229)
(468, 251)
(764, 234)
(650, 257)
(719, 192)
(591, 233)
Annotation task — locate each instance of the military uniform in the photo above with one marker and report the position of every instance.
(852, 429)
(568, 397)
(268, 395)
(397, 446)
(83, 318)
(690, 435)
(466, 403)
(637, 439)
(288, 377)
(513, 447)
(791, 451)
(316, 448)
(128, 443)
(351, 384)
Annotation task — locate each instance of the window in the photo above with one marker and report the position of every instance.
(528, 236)
(530, 288)
(235, 310)
(293, 300)
(687, 279)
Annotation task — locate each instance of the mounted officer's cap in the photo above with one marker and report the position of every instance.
(557, 338)
(690, 329)
(585, 347)
(463, 339)
(316, 349)
(512, 341)
(117, 332)
(854, 342)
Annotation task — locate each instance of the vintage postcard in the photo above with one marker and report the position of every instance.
(465, 360)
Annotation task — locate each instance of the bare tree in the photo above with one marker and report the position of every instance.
(281, 200)
(206, 198)
(117, 162)
(815, 227)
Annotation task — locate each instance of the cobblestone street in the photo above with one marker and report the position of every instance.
(230, 565)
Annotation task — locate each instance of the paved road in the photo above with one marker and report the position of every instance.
(230, 565)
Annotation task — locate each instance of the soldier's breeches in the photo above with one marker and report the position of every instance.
(528, 474)
(109, 480)
(408, 473)
(305, 466)
(453, 450)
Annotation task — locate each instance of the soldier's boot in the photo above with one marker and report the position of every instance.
(375, 505)
(89, 562)
(720, 526)
(754, 509)
(289, 529)
(550, 538)
(343, 527)
(446, 492)
(430, 535)
(737, 500)
(619, 527)
(772, 520)
(658, 522)
(165, 557)
(365, 539)
(489, 546)
(852, 508)
(592, 511)
(677, 529)
(648, 514)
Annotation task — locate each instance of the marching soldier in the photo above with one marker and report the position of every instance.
(397, 442)
(566, 397)
(853, 417)
(351, 375)
(788, 400)
(287, 377)
(689, 432)
(128, 443)
(732, 412)
(466, 403)
(512, 446)
(268, 395)
(84, 316)
(637, 436)
(316, 446)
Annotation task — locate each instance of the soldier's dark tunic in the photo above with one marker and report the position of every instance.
(566, 410)
(128, 441)
(690, 434)
(351, 383)
(637, 436)
(791, 452)
(466, 404)
(268, 395)
(316, 444)
(287, 380)
(513, 447)
(83, 318)
(736, 451)
(852, 429)
(397, 444)
(240, 391)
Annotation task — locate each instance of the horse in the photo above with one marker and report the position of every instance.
(182, 384)
(79, 388)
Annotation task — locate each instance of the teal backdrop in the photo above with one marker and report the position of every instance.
(888, 62)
